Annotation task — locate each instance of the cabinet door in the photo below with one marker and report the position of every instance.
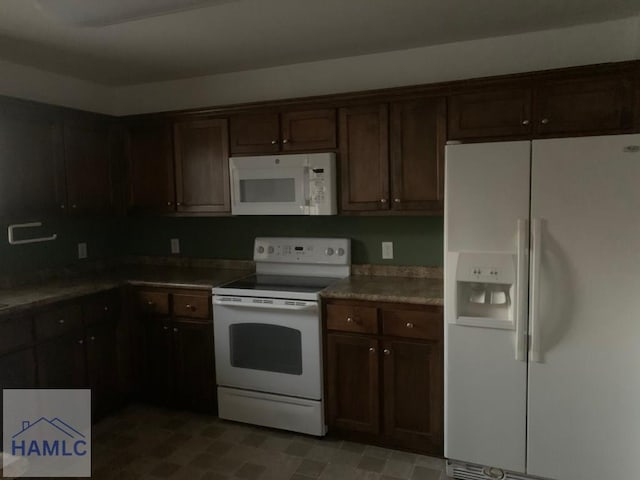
(490, 114)
(584, 106)
(102, 367)
(62, 361)
(254, 133)
(194, 368)
(32, 168)
(413, 394)
(87, 166)
(17, 370)
(202, 166)
(352, 383)
(157, 361)
(364, 157)
(417, 142)
(309, 130)
(150, 157)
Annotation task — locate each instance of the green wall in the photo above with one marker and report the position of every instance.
(102, 236)
(417, 240)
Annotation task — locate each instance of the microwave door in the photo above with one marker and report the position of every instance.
(269, 192)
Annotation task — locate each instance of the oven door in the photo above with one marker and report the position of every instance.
(269, 191)
(268, 345)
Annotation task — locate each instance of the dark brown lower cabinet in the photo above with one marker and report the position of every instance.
(195, 387)
(17, 370)
(177, 361)
(102, 367)
(352, 377)
(61, 361)
(384, 385)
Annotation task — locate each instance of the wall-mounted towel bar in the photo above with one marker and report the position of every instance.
(12, 228)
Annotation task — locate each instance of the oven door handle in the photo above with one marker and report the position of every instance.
(233, 302)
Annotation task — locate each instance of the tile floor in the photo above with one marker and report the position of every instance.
(151, 443)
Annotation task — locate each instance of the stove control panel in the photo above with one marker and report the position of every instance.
(330, 251)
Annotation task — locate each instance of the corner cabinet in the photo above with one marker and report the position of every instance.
(180, 167)
(385, 373)
(392, 156)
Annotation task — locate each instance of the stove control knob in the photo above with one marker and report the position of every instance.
(270, 250)
(329, 251)
(340, 252)
(260, 249)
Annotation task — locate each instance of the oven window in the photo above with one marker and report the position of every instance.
(268, 190)
(271, 348)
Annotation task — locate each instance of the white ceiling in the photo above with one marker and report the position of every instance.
(237, 35)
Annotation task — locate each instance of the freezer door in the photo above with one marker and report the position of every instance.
(584, 386)
(487, 192)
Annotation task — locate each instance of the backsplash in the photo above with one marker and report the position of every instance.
(416, 240)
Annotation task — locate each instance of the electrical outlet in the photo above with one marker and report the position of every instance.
(82, 250)
(387, 250)
(175, 245)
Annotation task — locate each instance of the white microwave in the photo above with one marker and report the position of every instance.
(296, 184)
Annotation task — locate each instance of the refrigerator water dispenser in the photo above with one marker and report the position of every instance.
(485, 288)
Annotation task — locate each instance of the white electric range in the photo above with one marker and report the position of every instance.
(268, 339)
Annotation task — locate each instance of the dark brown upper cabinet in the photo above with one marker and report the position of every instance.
(546, 106)
(491, 113)
(393, 162)
(577, 106)
(87, 162)
(150, 160)
(309, 130)
(202, 166)
(32, 179)
(418, 136)
(364, 157)
(291, 131)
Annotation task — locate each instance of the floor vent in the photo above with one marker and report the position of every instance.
(467, 471)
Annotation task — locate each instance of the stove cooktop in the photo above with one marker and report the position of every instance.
(280, 283)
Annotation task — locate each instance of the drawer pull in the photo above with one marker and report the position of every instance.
(165, 328)
(106, 308)
(150, 303)
(409, 325)
(372, 350)
(92, 338)
(61, 321)
(386, 351)
(175, 329)
(193, 308)
(349, 319)
(80, 341)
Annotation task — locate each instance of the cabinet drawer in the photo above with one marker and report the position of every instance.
(193, 306)
(58, 320)
(102, 307)
(351, 318)
(15, 332)
(412, 324)
(155, 303)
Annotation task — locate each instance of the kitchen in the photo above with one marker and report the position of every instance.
(145, 231)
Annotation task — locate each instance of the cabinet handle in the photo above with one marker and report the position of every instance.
(165, 328)
(349, 320)
(168, 204)
(274, 142)
(544, 121)
(150, 303)
(409, 325)
(175, 329)
(74, 206)
(92, 338)
(106, 308)
(372, 350)
(383, 200)
(386, 351)
(61, 321)
(396, 200)
(286, 140)
(178, 203)
(80, 341)
(62, 205)
(525, 122)
(191, 307)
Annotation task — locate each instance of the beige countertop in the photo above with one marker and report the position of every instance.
(424, 291)
(47, 292)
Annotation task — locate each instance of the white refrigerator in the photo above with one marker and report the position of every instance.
(542, 309)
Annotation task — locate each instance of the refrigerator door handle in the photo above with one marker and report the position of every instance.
(521, 290)
(534, 339)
